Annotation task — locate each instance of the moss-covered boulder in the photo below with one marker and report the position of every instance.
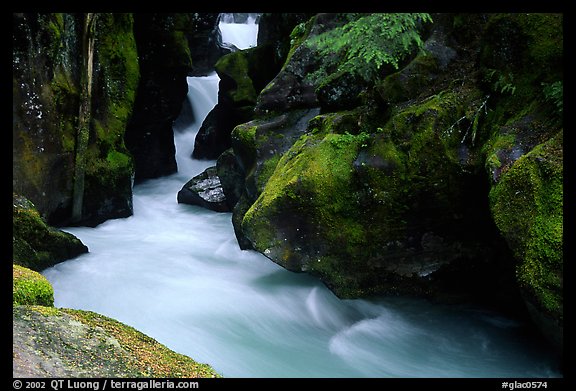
(36, 245)
(258, 146)
(527, 204)
(50, 342)
(377, 209)
(47, 65)
(30, 288)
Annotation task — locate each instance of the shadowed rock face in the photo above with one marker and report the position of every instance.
(47, 58)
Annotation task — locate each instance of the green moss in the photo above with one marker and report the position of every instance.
(344, 193)
(309, 191)
(527, 205)
(64, 95)
(119, 73)
(521, 51)
(298, 35)
(235, 66)
(243, 139)
(30, 288)
(496, 145)
(409, 82)
(266, 171)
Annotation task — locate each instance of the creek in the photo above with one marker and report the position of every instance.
(175, 272)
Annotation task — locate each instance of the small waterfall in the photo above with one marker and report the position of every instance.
(202, 96)
(243, 34)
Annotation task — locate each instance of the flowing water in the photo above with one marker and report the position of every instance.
(176, 273)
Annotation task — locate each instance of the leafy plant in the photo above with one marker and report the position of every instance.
(554, 93)
(501, 83)
(363, 45)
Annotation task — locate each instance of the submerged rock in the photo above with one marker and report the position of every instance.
(205, 190)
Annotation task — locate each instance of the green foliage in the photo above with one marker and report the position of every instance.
(364, 45)
(554, 93)
(501, 83)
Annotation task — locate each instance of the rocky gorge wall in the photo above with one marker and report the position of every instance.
(47, 65)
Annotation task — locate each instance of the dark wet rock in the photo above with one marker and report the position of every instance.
(37, 245)
(164, 59)
(205, 43)
(205, 190)
(231, 177)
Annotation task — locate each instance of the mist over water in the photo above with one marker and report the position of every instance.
(176, 273)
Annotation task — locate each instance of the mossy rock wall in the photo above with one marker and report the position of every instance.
(397, 193)
(47, 58)
(521, 58)
(527, 204)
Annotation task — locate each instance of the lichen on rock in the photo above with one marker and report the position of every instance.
(50, 342)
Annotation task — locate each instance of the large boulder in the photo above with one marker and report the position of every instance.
(377, 210)
(527, 204)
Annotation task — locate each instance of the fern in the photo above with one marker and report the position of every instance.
(554, 93)
(501, 83)
(364, 45)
